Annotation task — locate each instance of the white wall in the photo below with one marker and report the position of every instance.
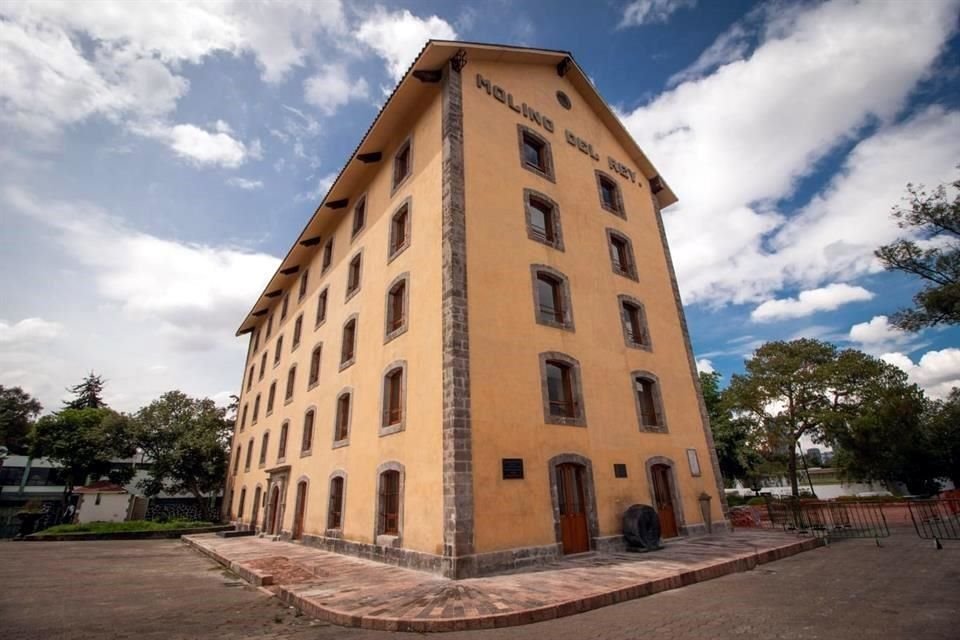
(112, 507)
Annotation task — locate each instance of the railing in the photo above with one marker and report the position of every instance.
(936, 519)
(829, 519)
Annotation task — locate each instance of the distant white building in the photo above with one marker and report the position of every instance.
(104, 501)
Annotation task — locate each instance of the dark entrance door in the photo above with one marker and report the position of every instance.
(663, 496)
(573, 510)
(273, 527)
(301, 506)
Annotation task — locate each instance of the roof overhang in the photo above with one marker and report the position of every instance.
(407, 95)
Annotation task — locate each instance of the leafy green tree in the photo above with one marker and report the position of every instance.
(783, 395)
(18, 410)
(944, 419)
(814, 459)
(934, 256)
(85, 442)
(186, 441)
(88, 394)
(731, 436)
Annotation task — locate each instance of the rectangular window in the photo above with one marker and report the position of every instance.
(512, 468)
(271, 397)
(291, 379)
(278, 350)
(314, 367)
(619, 470)
(243, 418)
(393, 398)
(306, 442)
(396, 307)
(621, 255)
(560, 390)
(353, 275)
(549, 300)
(263, 364)
(335, 512)
(256, 409)
(401, 164)
(347, 348)
(343, 417)
(610, 198)
(250, 377)
(284, 306)
(359, 216)
(321, 307)
(269, 326)
(398, 230)
(647, 403)
(303, 284)
(263, 449)
(534, 153)
(327, 255)
(297, 330)
(390, 502)
(282, 448)
(246, 466)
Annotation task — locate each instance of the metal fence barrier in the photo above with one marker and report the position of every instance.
(829, 519)
(937, 519)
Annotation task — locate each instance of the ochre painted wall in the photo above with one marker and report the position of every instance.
(418, 447)
(505, 340)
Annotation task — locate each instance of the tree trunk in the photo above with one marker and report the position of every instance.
(792, 471)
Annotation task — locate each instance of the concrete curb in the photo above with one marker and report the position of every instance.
(124, 535)
(289, 596)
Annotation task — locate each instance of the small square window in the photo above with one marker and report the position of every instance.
(512, 468)
(619, 470)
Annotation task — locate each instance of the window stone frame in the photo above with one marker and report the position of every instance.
(326, 245)
(283, 439)
(392, 253)
(389, 334)
(256, 410)
(350, 293)
(642, 311)
(603, 175)
(620, 235)
(658, 406)
(314, 383)
(394, 185)
(264, 449)
(263, 363)
(557, 242)
(295, 339)
(336, 532)
(290, 388)
(302, 290)
(550, 172)
(354, 231)
(278, 351)
(313, 436)
(579, 420)
(342, 442)
(566, 299)
(344, 364)
(271, 403)
(325, 291)
(381, 539)
(385, 429)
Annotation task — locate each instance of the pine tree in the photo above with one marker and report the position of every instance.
(87, 394)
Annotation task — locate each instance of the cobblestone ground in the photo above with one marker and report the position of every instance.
(161, 589)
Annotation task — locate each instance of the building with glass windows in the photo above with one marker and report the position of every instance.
(474, 356)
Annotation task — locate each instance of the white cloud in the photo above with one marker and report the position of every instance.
(736, 142)
(245, 184)
(332, 87)
(809, 302)
(29, 330)
(878, 336)
(207, 149)
(194, 295)
(398, 36)
(937, 372)
(640, 12)
(704, 365)
(323, 185)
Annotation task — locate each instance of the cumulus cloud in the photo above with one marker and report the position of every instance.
(641, 12)
(204, 148)
(878, 336)
(735, 143)
(704, 365)
(332, 87)
(29, 330)
(398, 36)
(809, 302)
(937, 372)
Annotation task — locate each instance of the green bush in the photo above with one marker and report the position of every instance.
(757, 501)
(130, 525)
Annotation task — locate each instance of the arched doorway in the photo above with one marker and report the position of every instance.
(273, 526)
(661, 476)
(300, 507)
(254, 516)
(572, 505)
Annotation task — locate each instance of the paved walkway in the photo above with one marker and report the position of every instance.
(361, 593)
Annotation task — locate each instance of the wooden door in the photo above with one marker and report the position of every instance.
(273, 527)
(301, 506)
(663, 496)
(573, 510)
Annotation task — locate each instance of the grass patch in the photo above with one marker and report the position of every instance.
(132, 525)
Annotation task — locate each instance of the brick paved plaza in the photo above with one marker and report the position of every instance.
(163, 589)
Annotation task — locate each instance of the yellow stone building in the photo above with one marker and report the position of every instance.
(474, 356)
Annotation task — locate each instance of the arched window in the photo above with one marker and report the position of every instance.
(306, 443)
(263, 448)
(278, 350)
(263, 364)
(341, 429)
(236, 463)
(389, 512)
(246, 466)
(256, 408)
(551, 292)
(335, 508)
(314, 376)
(243, 498)
(394, 392)
(646, 391)
(561, 388)
(271, 396)
(399, 230)
(397, 307)
(348, 343)
(282, 445)
(297, 331)
(291, 381)
(243, 416)
(321, 307)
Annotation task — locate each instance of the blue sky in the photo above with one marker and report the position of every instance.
(160, 158)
